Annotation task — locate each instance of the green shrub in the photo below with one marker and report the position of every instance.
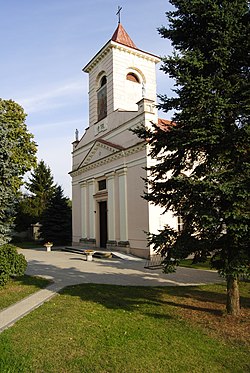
(11, 263)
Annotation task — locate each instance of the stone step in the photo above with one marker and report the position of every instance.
(73, 249)
(103, 253)
(96, 254)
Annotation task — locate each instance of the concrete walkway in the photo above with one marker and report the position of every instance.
(65, 269)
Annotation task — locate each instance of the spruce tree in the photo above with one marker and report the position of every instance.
(24, 215)
(41, 188)
(56, 219)
(202, 172)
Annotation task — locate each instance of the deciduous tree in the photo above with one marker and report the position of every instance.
(17, 156)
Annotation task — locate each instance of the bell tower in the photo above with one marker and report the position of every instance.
(120, 75)
(109, 162)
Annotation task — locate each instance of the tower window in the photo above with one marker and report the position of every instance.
(102, 99)
(103, 81)
(133, 78)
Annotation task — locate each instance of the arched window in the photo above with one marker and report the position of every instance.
(102, 99)
(133, 78)
(103, 81)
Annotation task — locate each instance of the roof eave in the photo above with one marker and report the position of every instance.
(86, 68)
(111, 44)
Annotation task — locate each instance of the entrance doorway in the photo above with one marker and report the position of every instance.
(103, 223)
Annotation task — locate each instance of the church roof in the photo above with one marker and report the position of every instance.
(164, 124)
(121, 36)
(111, 144)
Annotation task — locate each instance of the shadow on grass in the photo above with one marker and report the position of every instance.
(127, 298)
(20, 287)
(218, 295)
(132, 298)
(36, 281)
(213, 311)
(100, 284)
(28, 245)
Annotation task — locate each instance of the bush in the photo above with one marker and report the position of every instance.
(11, 263)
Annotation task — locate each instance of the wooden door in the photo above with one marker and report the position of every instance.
(103, 224)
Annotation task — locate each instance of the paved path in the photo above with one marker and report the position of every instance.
(65, 268)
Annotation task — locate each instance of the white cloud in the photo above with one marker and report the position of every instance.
(49, 99)
(54, 125)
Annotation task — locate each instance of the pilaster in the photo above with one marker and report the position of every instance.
(91, 207)
(111, 205)
(122, 180)
(84, 209)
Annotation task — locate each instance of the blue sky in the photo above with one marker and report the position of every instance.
(44, 46)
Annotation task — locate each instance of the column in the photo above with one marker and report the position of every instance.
(84, 209)
(111, 205)
(123, 202)
(91, 208)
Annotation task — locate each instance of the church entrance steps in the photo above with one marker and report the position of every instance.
(126, 256)
(102, 253)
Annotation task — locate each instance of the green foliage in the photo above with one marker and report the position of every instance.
(45, 204)
(56, 219)
(24, 217)
(206, 150)
(41, 186)
(40, 189)
(17, 156)
(11, 263)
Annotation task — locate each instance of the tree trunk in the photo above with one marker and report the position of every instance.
(233, 296)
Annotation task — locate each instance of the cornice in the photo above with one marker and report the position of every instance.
(136, 52)
(114, 45)
(108, 159)
(99, 55)
(97, 145)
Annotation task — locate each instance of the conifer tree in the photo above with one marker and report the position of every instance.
(206, 149)
(41, 187)
(56, 219)
(24, 214)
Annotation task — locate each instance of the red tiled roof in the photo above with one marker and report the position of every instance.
(120, 36)
(164, 124)
(111, 144)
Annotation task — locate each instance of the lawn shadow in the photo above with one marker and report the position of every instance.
(117, 297)
(137, 286)
(131, 298)
(200, 294)
(37, 281)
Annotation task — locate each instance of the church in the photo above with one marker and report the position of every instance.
(109, 161)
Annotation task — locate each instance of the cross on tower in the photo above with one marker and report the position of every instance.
(119, 13)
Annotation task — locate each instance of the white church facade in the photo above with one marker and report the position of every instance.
(109, 161)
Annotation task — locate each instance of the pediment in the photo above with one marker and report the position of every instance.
(99, 150)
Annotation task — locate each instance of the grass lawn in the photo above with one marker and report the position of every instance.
(19, 288)
(27, 245)
(188, 263)
(117, 329)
